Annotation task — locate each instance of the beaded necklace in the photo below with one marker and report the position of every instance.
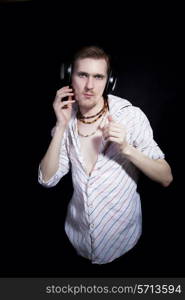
(99, 114)
(87, 135)
(80, 116)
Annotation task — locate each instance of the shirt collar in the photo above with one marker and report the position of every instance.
(115, 103)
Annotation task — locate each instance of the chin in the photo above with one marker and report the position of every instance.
(86, 101)
(87, 104)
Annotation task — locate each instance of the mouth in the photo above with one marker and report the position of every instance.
(87, 95)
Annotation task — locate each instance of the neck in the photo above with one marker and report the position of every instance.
(88, 111)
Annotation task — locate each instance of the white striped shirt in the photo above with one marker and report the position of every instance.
(104, 217)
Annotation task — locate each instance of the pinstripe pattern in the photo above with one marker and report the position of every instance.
(104, 217)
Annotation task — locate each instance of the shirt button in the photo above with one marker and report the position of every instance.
(92, 240)
(91, 226)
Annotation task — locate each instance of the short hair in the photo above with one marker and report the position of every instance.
(92, 52)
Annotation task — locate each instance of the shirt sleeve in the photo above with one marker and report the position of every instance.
(143, 137)
(63, 168)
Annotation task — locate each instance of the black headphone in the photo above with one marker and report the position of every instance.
(66, 73)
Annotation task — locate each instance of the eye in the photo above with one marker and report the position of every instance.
(82, 75)
(99, 77)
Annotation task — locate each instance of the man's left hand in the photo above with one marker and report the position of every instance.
(115, 132)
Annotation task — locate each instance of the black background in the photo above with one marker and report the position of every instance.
(147, 46)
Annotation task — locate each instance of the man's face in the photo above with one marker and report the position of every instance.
(89, 81)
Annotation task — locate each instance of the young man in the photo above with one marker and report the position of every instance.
(105, 141)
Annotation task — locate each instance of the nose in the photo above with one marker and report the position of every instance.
(89, 83)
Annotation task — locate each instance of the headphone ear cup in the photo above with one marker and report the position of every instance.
(65, 73)
(111, 84)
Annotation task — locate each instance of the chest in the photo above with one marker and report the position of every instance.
(90, 148)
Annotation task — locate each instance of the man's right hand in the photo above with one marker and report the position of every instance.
(63, 109)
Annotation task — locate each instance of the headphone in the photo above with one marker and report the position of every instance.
(66, 74)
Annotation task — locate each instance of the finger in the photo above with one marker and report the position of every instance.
(67, 90)
(63, 95)
(115, 129)
(67, 104)
(110, 118)
(115, 125)
(107, 134)
(60, 93)
(113, 135)
(64, 88)
(110, 130)
(66, 95)
(61, 104)
(69, 100)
